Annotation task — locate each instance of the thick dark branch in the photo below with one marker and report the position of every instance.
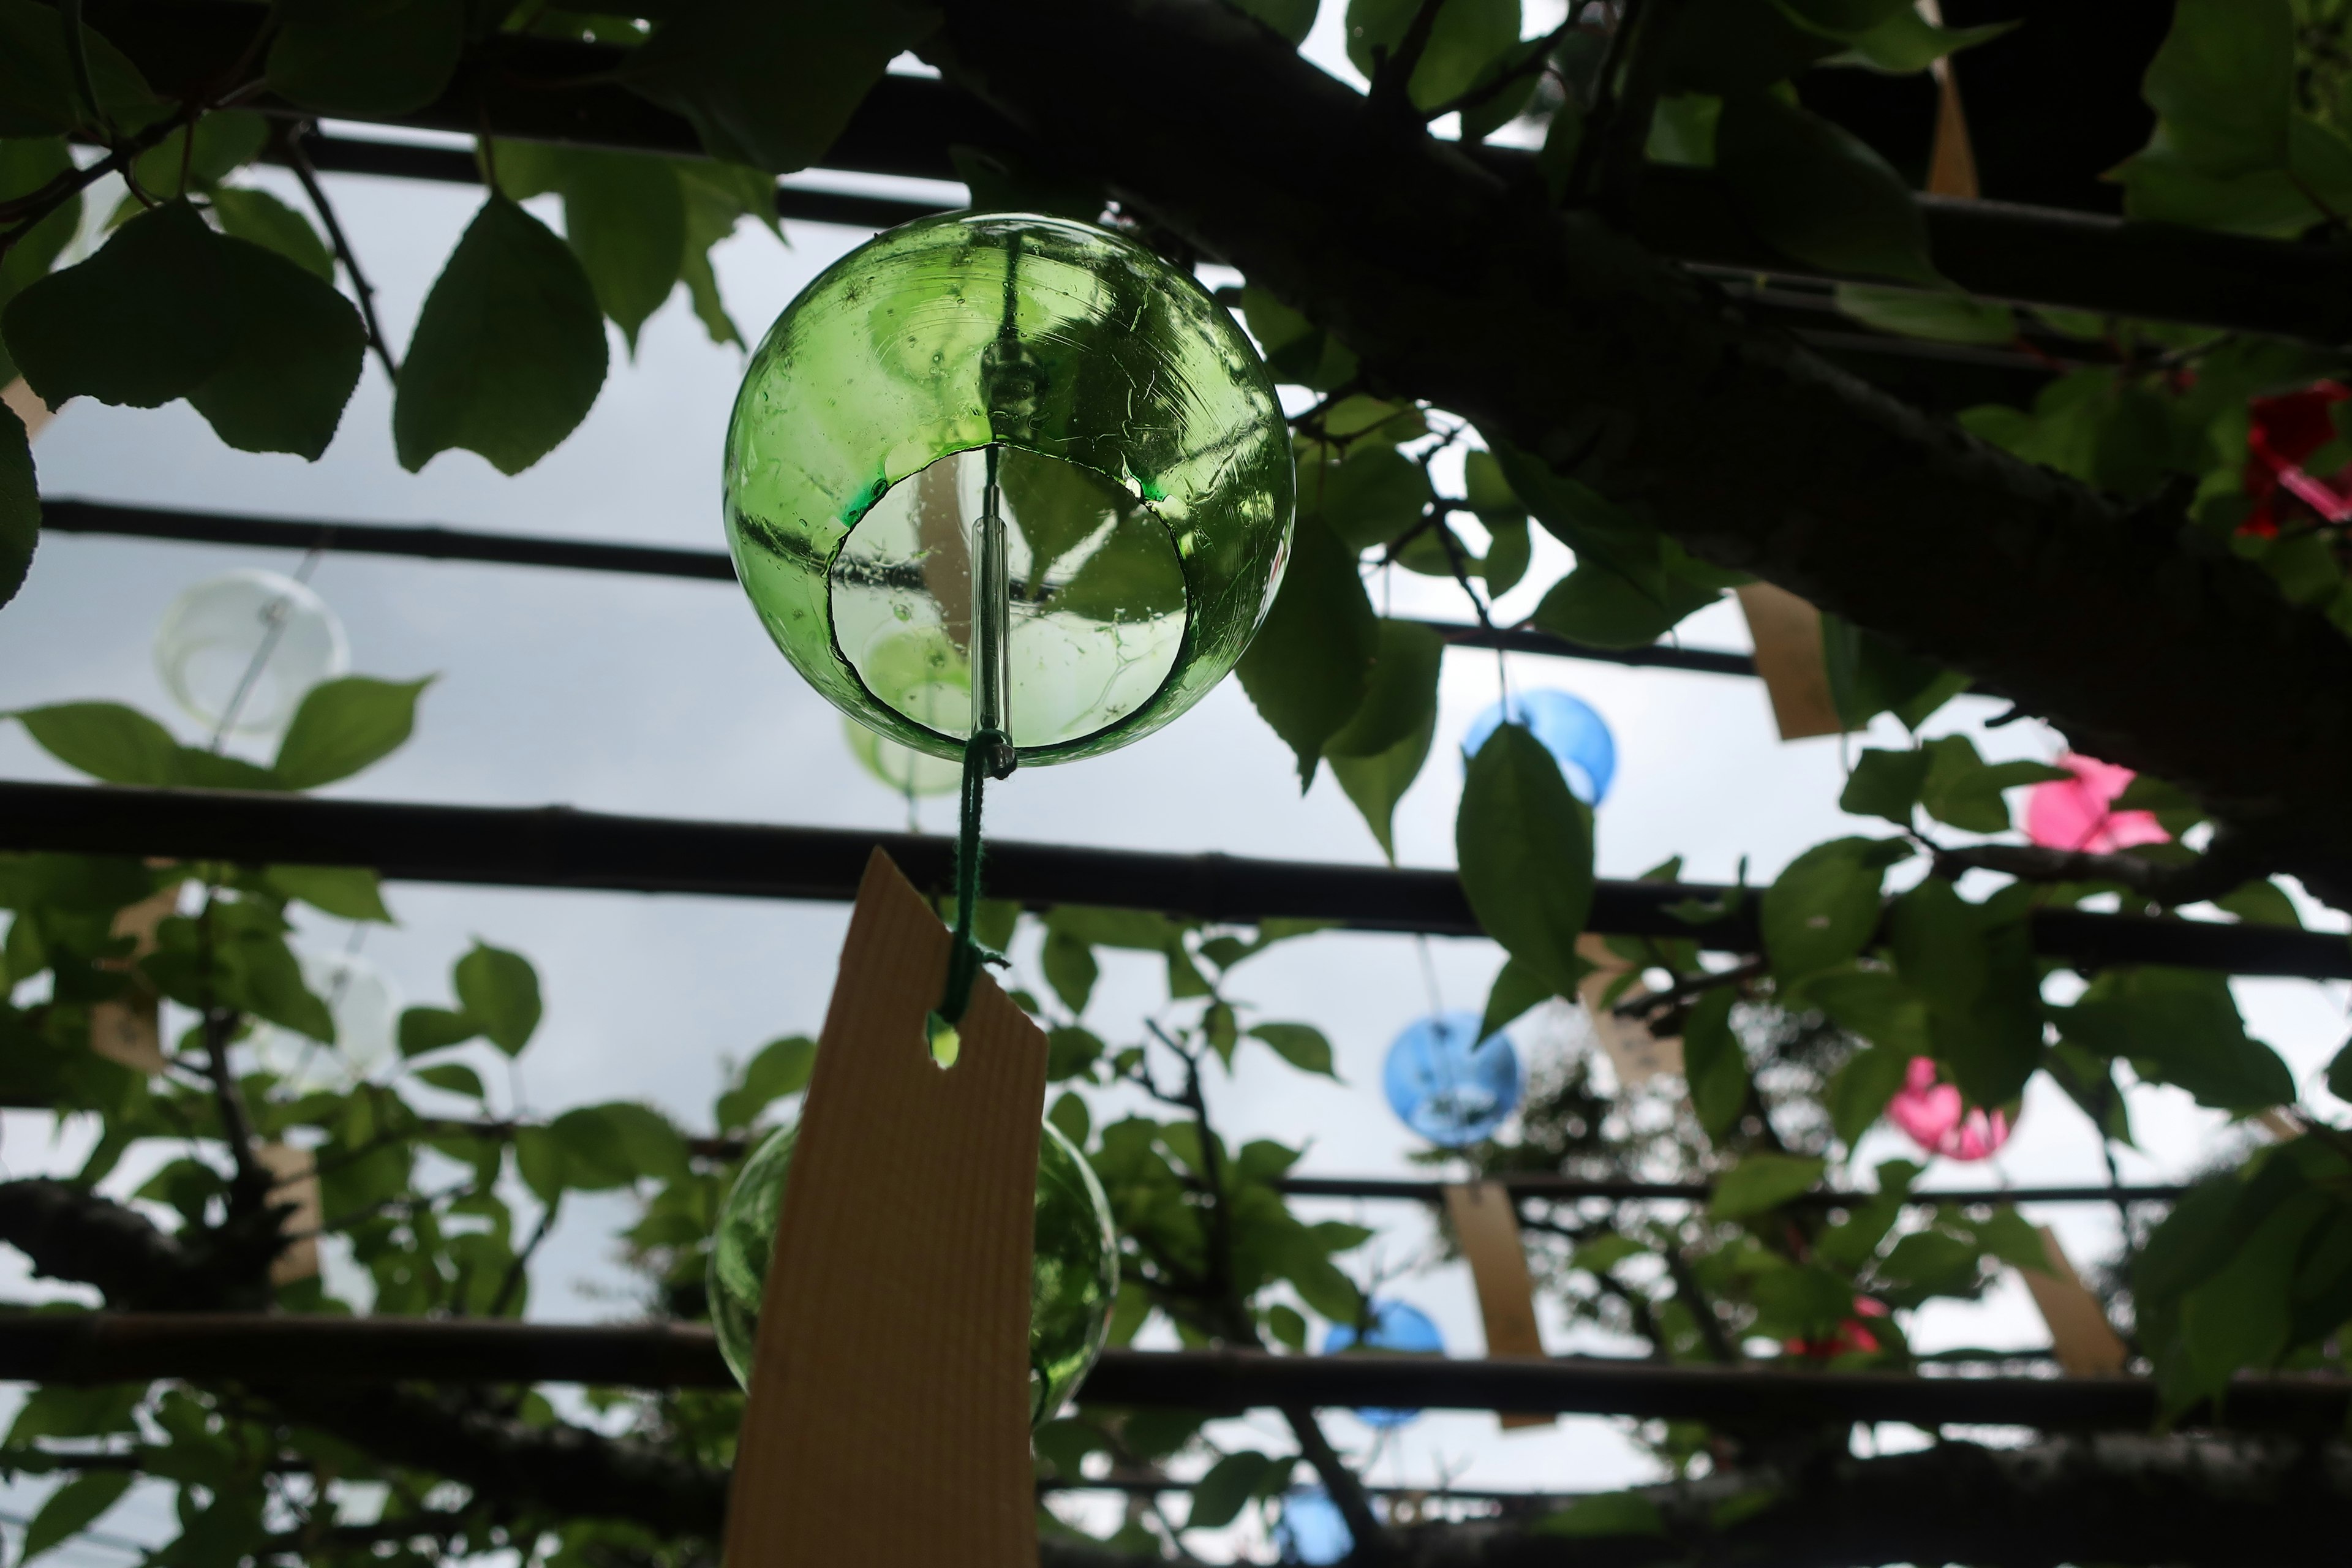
(2229, 865)
(1456, 285)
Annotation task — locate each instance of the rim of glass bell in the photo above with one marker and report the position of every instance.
(948, 746)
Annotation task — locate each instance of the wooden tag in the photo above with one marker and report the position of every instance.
(2083, 1341)
(128, 1029)
(1486, 1226)
(889, 1420)
(1636, 1054)
(28, 406)
(295, 1181)
(1951, 161)
(1787, 632)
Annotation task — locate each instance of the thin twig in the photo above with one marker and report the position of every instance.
(1392, 71)
(301, 161)
(40, 204)
(1702, 1311)
(1683, 989)
(2229, 862)
(515, 1270)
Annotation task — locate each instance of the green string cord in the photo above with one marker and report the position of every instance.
(983, 756)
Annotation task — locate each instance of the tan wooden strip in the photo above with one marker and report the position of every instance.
(1951, 160)
(294, 1180)
(1787, 632)
(128, 1029)
(2083, 1341)
(28, 406)
(888, 1419)
(1487, 1227)
(1637, 1055)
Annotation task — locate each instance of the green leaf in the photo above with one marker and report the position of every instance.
(1516, 988)
(501, 990)
(294, 361)
(1467, 35)
(1599, 605)
(772, 82)
(2222, 83)
(2179, 1027)
(780, 1068)
(614, 1144)
(1311, 663)
(1908, 42)
(1071, 1119)
(1817, 194)
(1974, 969)
(146, 319)
(1002, 180)
(1402, 696)
(1858, 1091)
(455, 1077)
(345, 725)
(1524, 844)
(20, 504)
(1375, 784)
(1825, 907)
(1722, 47)
(1294, 19)
(105, 740)
(2339, 1074)
(1219, 1496)
(38, 94)
(1870, 676)
(260, 218)
(424, 1029)
(1301, 1044)
(1938, 317)
(1873, 1005)
(382, 58)
(1762, 1183)
(1071, 1052)
(2089, 1081)
(1370, 499)
(1070, 969)
(1714, 1065)
(1963, 789)
(1885, 784)
(1604, 1514)
(2260, 903)
(347, 892)
(625, 214)
(273, 987)
(223, 141)
(508, 352)
(1297, 351)
(72, 1509)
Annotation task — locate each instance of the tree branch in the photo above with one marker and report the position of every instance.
(290, 143)
(2231, 863)
(1562, 336)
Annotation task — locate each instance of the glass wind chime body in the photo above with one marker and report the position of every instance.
(1010, 476)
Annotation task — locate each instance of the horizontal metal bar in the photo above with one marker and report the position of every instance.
(258, 1348)
(559, 847)
(433, 542)
(1541, 1187)
(455, 165)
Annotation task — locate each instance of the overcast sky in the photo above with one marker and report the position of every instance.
(666, 697)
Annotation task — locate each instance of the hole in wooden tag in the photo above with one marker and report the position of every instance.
(942, 1040)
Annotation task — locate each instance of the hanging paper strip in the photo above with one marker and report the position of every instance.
(127, 1029)
(2080, 1335)
(1951, 161)
(888, 1425)
(1486, 1226)
(1637, 1055)
(294, 1185)
(1787, 632)
(26, 405)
